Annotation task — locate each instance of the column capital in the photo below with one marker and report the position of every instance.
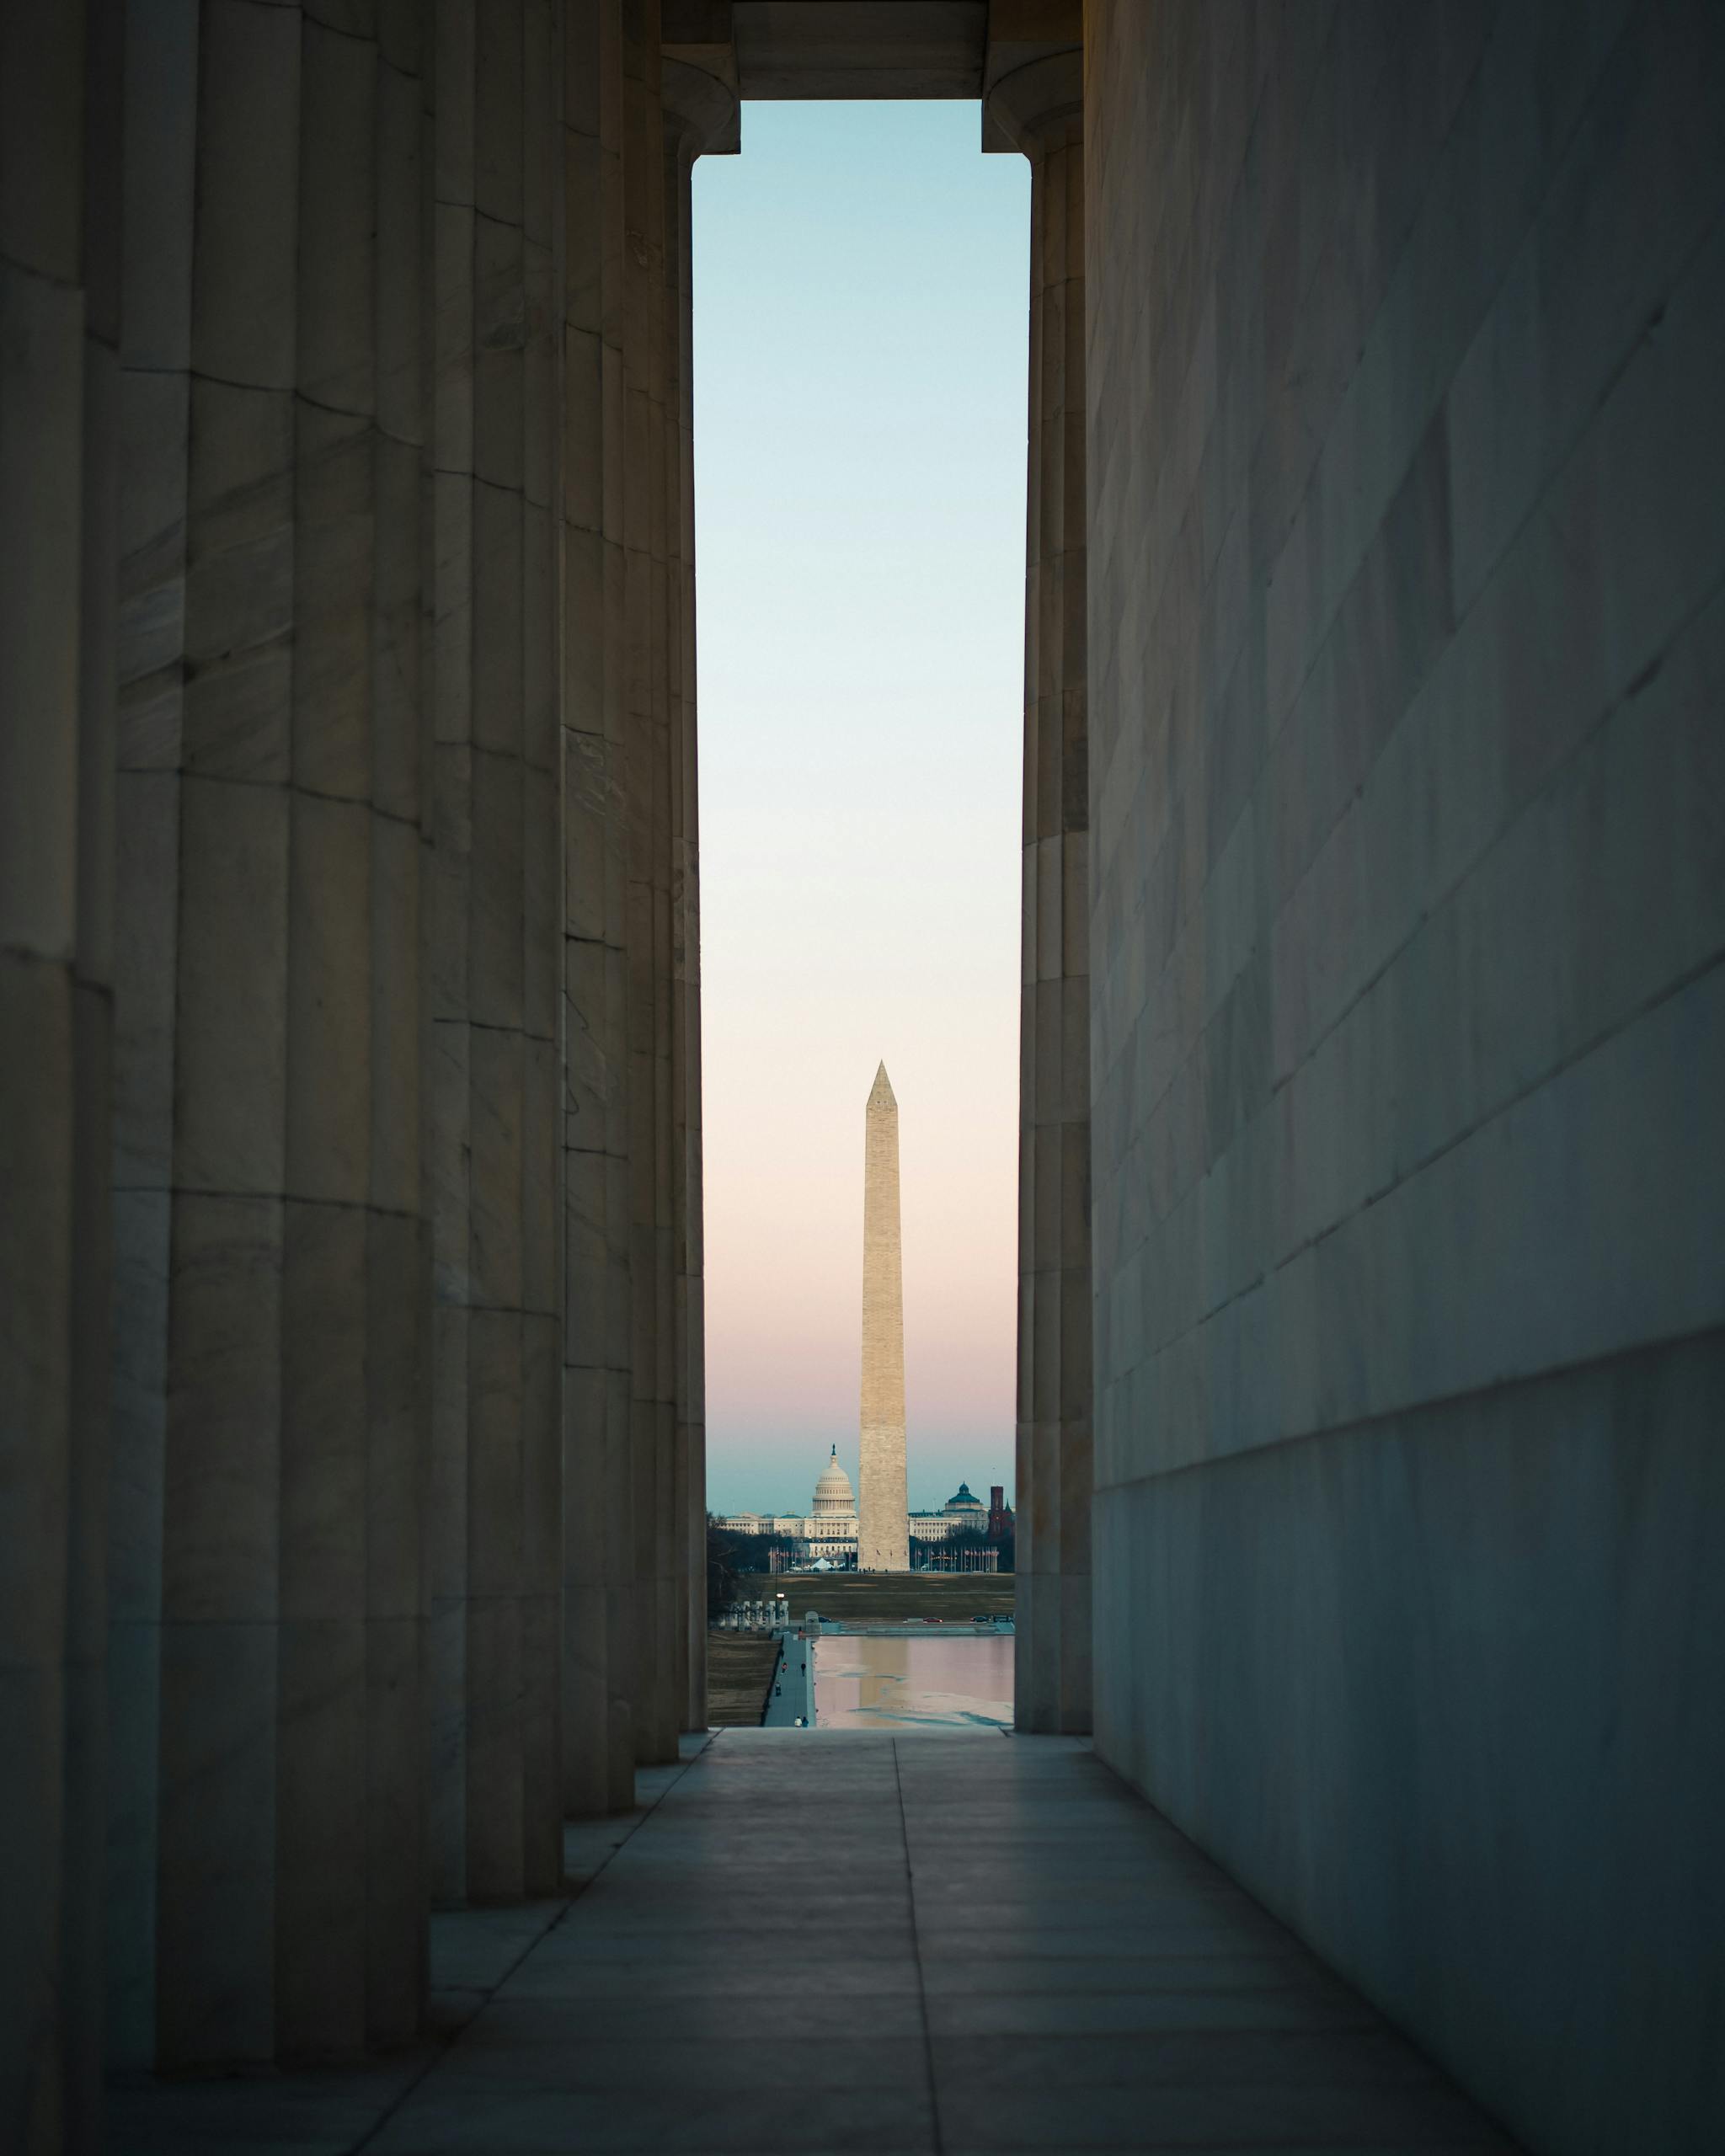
(701, 111)
(1038, 107)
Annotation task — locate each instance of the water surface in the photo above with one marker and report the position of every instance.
(964, 1681)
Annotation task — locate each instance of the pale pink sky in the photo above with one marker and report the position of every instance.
(860, 368)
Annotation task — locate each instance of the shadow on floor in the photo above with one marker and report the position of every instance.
(808, 1941)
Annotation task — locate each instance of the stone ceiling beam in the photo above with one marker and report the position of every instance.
(819, 49)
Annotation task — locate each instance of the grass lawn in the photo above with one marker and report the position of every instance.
(888, 1598)
(738, 1670)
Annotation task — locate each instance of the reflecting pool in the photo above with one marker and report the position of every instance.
(963, 1681)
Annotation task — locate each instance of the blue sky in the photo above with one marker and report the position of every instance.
(860, 279)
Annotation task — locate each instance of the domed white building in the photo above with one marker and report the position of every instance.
(829, 1527)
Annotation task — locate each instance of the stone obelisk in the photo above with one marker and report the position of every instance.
(882, 1543)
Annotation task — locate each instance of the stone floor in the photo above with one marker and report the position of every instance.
(838, 1941)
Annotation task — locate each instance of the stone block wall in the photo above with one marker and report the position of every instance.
(1406, 333)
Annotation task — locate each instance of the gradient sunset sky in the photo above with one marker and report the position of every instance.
(860, 279)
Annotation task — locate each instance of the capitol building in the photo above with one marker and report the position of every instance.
(828, 1529)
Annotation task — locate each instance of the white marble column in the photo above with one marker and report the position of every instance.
(1040, 108)
(59, 220)
(598, 1618)
(701, 115)
(647, 701)
(83, 1913)
(349, 1883)
(497, 1499)
(267, 1896)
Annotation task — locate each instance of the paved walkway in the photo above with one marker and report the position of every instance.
(788, 1696)
(850, 1941)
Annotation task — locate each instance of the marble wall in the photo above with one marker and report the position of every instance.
(1407, 1024)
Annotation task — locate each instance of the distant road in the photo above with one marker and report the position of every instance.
(788, 1701)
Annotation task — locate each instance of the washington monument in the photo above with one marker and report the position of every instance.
(882, 1543)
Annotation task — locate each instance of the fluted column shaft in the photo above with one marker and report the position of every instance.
(498, 1442)
(59, 302)
(647, 714)
(266, 1873)
(365, 608)
(690, 1479)
(599, 1592)
(1040, 109)
(700, 115)
(677, 164)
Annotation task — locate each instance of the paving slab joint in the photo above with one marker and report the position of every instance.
(445, 2038)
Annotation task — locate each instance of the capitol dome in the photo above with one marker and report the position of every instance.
(963, 1505)
(833, 1497)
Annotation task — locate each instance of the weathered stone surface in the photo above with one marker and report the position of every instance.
(1403, 577)
(60, 192)
(1037, 108)
(349, 993)
(647, 521)
(495, 1114)
(699, 116)
(36, 1000)
(268, 1076)
(598, 1545)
